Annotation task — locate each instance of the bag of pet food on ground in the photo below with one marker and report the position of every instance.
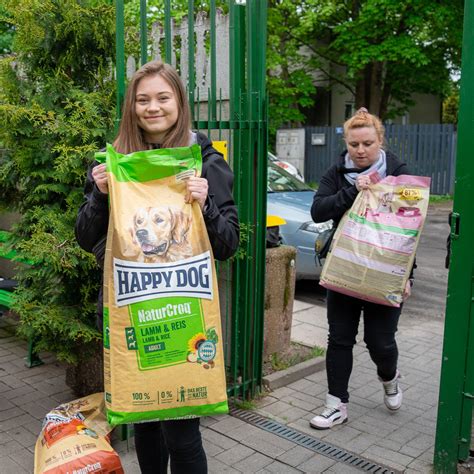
(74, 439)
(163, 355)
(374, 246)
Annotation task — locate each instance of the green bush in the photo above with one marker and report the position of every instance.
(57, 106)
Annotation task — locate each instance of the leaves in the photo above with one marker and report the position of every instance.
(380, 51)
(290, 70)
(56, 108)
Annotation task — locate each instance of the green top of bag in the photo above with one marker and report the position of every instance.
(148, 165)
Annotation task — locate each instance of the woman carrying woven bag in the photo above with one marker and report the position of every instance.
(364, 138)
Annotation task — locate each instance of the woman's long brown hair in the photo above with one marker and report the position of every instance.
(130, 137)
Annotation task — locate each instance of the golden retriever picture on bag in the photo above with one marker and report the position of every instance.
(159, 235)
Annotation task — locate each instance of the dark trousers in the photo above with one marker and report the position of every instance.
(380, 326)
(179, 440)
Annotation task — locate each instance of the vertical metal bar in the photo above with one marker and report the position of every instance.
(437, 145)
(119, 59)
(220, 116)
(168, 38)
(454, 405)
(237, 83)
(251, 181)
(191, 71)
(143, 33)
(208, 112)
(247, 188)
(198, 104)
(468, 390)
(257, 20)
(213, 97)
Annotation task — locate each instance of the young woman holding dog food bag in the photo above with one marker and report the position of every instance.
(156, 114)
(364, 137)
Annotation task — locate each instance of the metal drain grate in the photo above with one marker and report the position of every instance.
(316, 445)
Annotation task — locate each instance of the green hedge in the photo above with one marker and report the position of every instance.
(57, 106)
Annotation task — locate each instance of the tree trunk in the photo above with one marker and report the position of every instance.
(384, 100)
(375, 87)
(360, 93)
(372, 90)
(88, 375)
(362, 97)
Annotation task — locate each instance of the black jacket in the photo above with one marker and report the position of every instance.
(336, 195)
(220, 215)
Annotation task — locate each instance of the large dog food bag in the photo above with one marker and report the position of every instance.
(163, 356)
(373, 249)
(74, 439)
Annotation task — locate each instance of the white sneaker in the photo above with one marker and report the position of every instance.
(334, 413)
(393, 395)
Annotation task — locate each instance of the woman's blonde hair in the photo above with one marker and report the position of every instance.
(362, 118)
(130, 136)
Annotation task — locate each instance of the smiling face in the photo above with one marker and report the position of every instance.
(363, 145)
(156, 107)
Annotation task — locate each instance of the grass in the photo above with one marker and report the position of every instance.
(435, 198)
(298, 353)
(245, 404)
(249, 404)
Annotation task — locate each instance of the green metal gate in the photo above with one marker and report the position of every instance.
(454, 440)
(241, 120)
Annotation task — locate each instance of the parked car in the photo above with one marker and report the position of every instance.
(291, 199)
(292, 169)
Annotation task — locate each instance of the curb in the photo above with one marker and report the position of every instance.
(294, 373)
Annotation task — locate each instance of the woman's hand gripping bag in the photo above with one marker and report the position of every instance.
(75, 439)
(374, 247)
(163, 356)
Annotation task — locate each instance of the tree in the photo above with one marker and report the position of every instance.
(57, 105)
(451, 105)
(289, 79)
(387, 49)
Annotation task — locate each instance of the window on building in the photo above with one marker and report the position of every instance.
(349, 110)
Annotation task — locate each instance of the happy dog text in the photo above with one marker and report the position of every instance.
(136, 282)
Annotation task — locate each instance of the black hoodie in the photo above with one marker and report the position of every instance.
(220, 214)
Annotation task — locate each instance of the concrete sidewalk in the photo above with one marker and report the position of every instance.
(403, 441)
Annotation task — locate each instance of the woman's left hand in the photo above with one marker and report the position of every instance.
(196, 190)
(407, 292)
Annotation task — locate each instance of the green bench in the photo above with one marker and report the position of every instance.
(5, 294)
(6, 297)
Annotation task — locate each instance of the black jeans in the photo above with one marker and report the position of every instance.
(179, 440)
(380, 326)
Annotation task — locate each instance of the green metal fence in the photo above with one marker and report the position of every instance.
(454, 440)
(230, 106)
(427, 149)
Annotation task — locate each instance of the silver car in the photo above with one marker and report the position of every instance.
(291, 199)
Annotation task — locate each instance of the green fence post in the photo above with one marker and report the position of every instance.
(257, 15)
(456, 386)
(191, 72)
(168, 38)
(119, 59)
(237, 84)
(143, 33)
